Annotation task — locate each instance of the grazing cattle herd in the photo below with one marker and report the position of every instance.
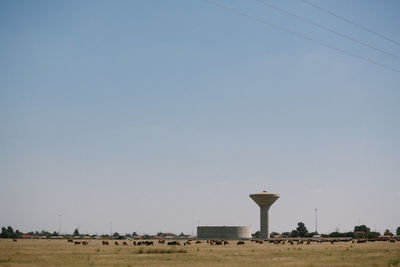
(282, 241)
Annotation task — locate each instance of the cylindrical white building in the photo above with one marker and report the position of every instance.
(224, 232)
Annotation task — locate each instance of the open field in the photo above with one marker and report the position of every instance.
(62, 253)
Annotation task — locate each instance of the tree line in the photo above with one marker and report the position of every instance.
(360, 231)
(8, 232)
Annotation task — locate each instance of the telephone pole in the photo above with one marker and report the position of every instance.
(59, 224)
(316, 221)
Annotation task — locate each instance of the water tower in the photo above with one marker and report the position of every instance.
(264, 200)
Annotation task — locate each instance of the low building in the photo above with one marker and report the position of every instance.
(277, 236)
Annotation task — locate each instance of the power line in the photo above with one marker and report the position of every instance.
(351, 22)
(328, 29)
(235, 11)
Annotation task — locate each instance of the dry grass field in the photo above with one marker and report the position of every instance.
(62, 253)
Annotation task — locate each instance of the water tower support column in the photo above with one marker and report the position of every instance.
(264, 222)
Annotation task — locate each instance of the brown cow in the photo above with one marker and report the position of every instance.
(124, 243)
(116, 243)
(70, 241)
(240, 242)
(15, 240)
(105, 243)
(77, 243)
(198, 242)
(84, 243)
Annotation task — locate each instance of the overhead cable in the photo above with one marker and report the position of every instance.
(328, 29)
(351, 22)
(235, 11)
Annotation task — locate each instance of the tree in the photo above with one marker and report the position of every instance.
(294, 233)
(116, 235)
(45, 233)
(335, 234)
(10, 230)
(373, 234)
(257, 234)
(387, 232)
(398, 231)
(362, 228)
(134, 234)
(17, 234)
(301, 228)
(4, 233)
(76, 231)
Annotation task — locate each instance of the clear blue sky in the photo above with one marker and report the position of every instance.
(160, 115)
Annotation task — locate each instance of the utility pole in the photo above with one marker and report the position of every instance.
(59, 224)
(316, 221)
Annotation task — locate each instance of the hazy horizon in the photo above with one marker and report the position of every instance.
(158, 116)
